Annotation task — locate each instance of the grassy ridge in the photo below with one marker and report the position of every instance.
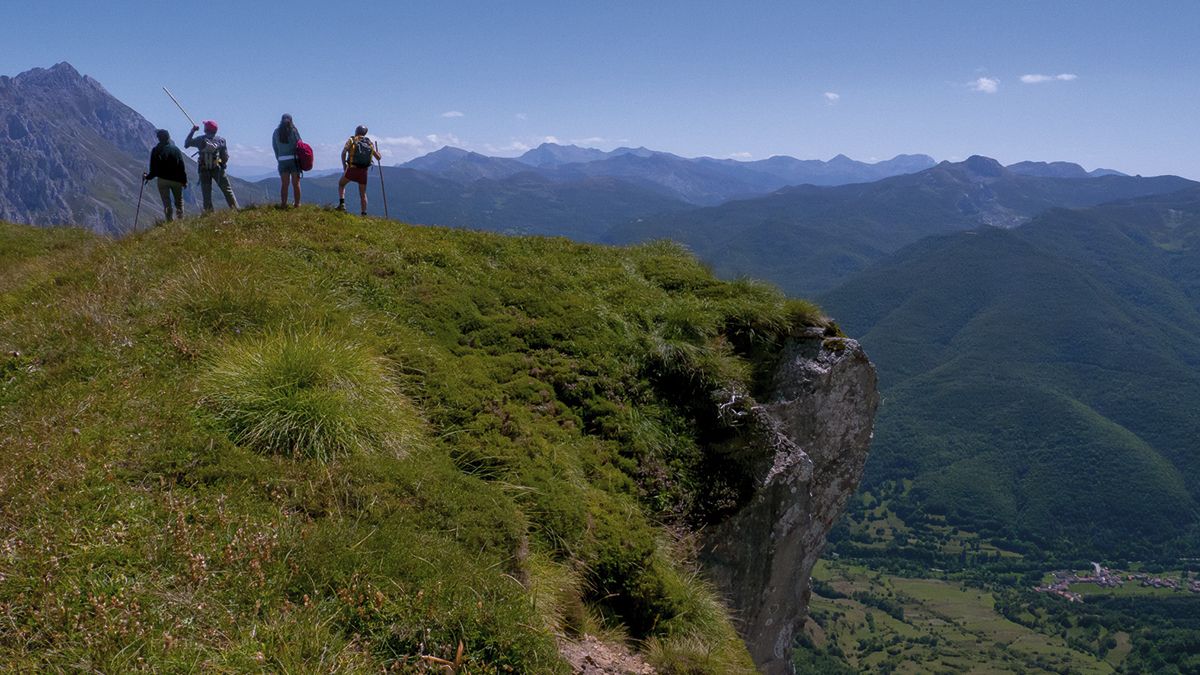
(548, 393)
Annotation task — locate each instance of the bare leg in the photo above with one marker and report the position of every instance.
(296, 189)
(362, 197)
(283, 181)
(342, 193)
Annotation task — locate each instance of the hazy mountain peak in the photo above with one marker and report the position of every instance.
(549, 155)
(1049, 169)
(640, 151)
(918, 157)
(983, 166)
(450, 151)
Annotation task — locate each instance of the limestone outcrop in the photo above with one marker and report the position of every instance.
(808, 440)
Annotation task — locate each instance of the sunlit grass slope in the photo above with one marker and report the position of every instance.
(307, 441)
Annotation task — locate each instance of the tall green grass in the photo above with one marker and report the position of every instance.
(387, 440)
(307, 394)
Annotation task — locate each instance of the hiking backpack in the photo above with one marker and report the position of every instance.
(304, 156)
(364, 152)
(210, 155)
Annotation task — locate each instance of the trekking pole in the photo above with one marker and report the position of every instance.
(138, 211)
(382, 189)
(181, 108)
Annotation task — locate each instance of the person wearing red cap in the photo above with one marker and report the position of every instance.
(213, 158)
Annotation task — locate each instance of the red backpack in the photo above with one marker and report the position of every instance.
(304, 156)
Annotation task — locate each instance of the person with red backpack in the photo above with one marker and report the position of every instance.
(285, 141)
(357, 157)
(213, 158)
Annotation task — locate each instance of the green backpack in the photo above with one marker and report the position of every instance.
(364, 152)
(210, 155)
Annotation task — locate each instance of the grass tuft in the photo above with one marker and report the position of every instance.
(307, 395)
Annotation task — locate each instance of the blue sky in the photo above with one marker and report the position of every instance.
(725, 79)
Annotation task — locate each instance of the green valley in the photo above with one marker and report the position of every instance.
(1040, 383)
(903, 591)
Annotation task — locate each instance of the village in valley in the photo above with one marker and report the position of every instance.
(1103, 577)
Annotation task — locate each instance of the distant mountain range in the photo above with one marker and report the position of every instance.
(698, 181)
(1058, 170)
(71, 153)
(808, 238)
(523, 203)
(1043, 383)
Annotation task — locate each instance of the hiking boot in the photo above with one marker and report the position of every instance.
(341, 207)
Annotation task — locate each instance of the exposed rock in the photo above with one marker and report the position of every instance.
(811, 439)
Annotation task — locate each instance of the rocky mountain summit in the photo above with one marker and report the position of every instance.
(72, 154)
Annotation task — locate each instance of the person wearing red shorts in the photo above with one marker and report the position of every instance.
(357, 157)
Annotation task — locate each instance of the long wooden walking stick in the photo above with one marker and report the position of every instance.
(181, 108)
(382, 188)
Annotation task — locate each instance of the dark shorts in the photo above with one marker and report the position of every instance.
(358, 174)
(287, 166)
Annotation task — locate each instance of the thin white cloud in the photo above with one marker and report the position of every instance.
(550, 139)
(509, 149)
(251, 155)
(1035, 78)
(400, 141)
(987, 85)
(589, 141)
(832, 97)
(438, 140)
(452, 113)
(521, 116)
(741, 155)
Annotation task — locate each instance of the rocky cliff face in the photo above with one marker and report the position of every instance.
(810, 441)
(72, 154)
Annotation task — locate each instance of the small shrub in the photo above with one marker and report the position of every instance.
(307, 395)
(805, 313)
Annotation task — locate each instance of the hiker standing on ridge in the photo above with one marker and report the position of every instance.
(284, 142)
(214, 157)
(357, 156)
(166, 164)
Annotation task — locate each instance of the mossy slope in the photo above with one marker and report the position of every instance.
(533, 472)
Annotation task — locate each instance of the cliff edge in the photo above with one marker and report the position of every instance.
(299, 440)
(812, 436)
